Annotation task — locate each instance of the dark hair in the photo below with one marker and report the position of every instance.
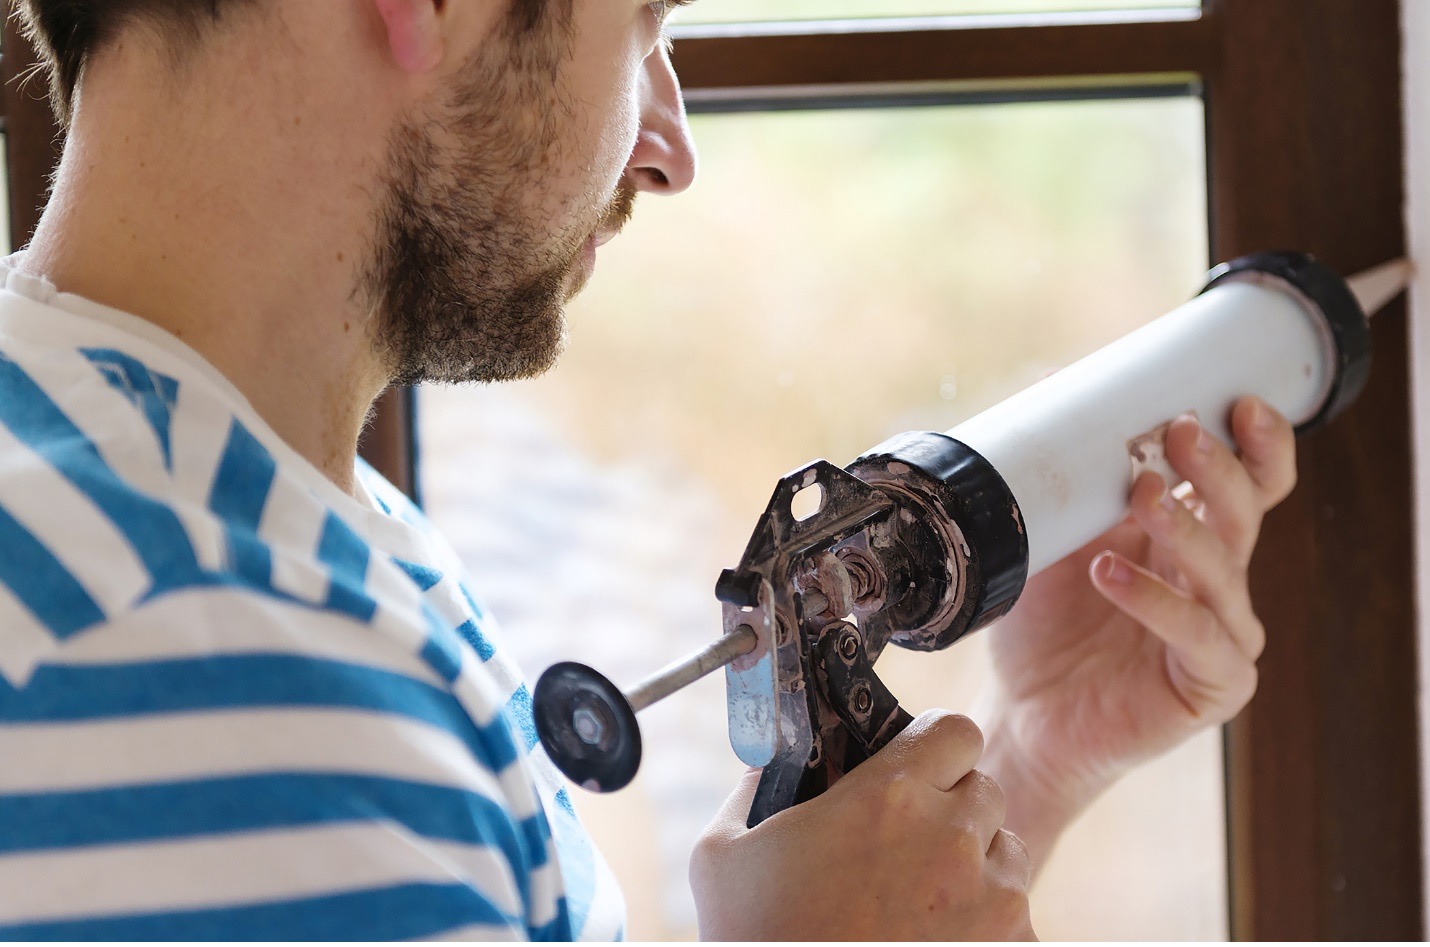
(66, 33)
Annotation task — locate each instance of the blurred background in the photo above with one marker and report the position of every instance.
(834, 277)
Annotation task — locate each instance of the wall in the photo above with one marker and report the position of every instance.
(1416, 19)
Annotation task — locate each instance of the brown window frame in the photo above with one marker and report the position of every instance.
(1305, 150)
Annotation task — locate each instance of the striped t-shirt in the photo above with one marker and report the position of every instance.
(235, 702)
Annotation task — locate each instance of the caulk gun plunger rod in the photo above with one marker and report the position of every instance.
(682, 674)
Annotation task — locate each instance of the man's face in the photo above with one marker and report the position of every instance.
(498, 195)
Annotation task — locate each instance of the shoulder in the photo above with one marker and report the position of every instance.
(142, 520)
(121, 483)
(215, 691)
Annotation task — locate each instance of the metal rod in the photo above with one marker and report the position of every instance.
(681, 675)
(1376, 287)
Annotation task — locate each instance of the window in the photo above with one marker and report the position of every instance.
(837, 276)
(1303, 150)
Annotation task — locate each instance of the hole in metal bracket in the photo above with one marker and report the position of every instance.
(807, 502)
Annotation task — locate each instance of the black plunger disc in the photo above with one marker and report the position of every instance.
(587, 727)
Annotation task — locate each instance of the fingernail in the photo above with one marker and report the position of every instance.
(1169, 502)
(1261, 418)
(1204, 441)
(1115, 570)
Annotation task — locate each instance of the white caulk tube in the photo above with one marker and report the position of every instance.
(1070, 446)
(1042, 474)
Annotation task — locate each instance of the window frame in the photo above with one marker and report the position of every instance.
(1305, 150)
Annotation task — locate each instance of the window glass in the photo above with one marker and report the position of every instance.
(832, 279)
(754, 11)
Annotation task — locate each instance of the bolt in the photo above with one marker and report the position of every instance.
(849, 644)
(866, 583)
(862, 702)
(782, 631)
(588, 726)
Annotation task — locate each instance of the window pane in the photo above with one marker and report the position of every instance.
(754, 11)
(833, 278)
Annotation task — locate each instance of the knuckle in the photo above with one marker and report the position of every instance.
(1017, 850)
(900, 799)
(714, 841)
(1246, 686)
(965, 845)
(1234, 692)
(1282, 480)
(986, 786)
(1288, 484)
(1012, 855)
(1009, 906)
(1256, 637)
(956, 729)
(708, 850)
(1203, 631)
(985, 792)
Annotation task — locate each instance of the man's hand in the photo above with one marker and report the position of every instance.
(909, 846)
(1092, 677)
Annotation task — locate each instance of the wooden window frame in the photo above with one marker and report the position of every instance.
(1305, 150)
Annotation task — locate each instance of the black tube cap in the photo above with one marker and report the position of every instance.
(953, 483)
(1348, 324)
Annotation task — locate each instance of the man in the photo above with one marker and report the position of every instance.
(244, 690)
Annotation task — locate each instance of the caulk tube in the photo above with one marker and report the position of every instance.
(1279, 326)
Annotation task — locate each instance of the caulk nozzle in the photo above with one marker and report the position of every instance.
(1377, 286)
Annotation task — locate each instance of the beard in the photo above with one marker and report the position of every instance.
(467, 279)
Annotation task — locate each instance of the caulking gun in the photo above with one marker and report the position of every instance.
(929, 537)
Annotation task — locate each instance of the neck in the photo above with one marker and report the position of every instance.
(184, 208)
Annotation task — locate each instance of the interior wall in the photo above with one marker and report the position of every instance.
(1416, 19)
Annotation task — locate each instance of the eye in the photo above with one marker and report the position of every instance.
(664, 8)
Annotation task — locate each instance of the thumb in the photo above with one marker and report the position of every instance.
(938, 748)
(730, 820)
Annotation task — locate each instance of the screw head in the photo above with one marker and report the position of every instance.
(588, 726)
(782, 631)
(862, 701)
(849, 644)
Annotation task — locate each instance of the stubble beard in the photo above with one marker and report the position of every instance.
(466, 280)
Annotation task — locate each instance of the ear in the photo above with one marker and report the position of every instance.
(413, 32)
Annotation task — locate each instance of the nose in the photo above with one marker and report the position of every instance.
(663, 161)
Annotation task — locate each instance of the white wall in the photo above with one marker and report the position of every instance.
(1416, 19)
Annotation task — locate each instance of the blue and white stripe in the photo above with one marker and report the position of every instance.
(234, 703)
